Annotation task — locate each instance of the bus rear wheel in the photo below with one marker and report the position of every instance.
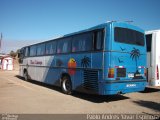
(66, 85)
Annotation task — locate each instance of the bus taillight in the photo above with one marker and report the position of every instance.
(145, 72)
(157, 73)
(111, 73)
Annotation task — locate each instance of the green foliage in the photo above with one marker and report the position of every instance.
(14, 54)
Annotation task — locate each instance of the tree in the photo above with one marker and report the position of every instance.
(13, 54)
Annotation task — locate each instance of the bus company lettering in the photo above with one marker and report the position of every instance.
(36, 62)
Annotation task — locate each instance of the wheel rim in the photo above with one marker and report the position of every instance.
(66, 85)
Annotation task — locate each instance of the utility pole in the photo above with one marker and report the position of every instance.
(1, 42)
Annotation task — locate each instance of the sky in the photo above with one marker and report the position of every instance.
(24, 22)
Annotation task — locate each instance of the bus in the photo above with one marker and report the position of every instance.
(153, 57)
(106, 59)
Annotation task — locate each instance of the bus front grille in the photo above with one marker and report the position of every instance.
(90, 80)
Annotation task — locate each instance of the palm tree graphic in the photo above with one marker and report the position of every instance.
(85, 62)
(135, 53)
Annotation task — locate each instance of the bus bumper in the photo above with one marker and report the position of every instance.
(112, 88)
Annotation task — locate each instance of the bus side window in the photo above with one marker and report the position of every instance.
(50, 47)
(41, 49)
(82, 42)
(64, 45)
(67, 45)
(32, 50)
(54, 44)
(26, 51)
(75, 44)
(22, 53)
(59, 46)
(98, 40)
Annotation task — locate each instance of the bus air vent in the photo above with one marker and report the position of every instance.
(91, 80)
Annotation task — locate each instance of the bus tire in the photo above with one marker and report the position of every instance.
(25, 75)
(66, 85)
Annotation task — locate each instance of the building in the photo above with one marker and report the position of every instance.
(6, 62)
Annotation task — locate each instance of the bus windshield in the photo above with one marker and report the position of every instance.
(128, 36)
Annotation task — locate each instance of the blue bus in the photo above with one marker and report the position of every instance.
(106, 59)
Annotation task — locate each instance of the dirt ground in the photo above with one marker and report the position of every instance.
(21, 97)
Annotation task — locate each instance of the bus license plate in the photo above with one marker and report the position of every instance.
(130, 75)
(131, 85)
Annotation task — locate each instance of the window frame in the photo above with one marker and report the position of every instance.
(93, 40)
(53, 42)
(60, 41)
(102, 39)
(70, 40)
(26, 51)
(129, 42)
(91, 32)
(44, 51)
(35, 50)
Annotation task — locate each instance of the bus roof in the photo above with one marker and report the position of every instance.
(100, 26)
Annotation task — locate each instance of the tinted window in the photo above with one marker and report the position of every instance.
(26, 51)
(51, 47)
(82, 42)
(41, 49)
(98, 40)
(32, 51)
(64, 45)
(149, 42)
(128, 36)
(22, 53)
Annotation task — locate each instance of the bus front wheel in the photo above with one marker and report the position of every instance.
(66, 85)
(25, 75)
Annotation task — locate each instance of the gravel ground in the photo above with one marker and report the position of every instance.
(21, 97)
